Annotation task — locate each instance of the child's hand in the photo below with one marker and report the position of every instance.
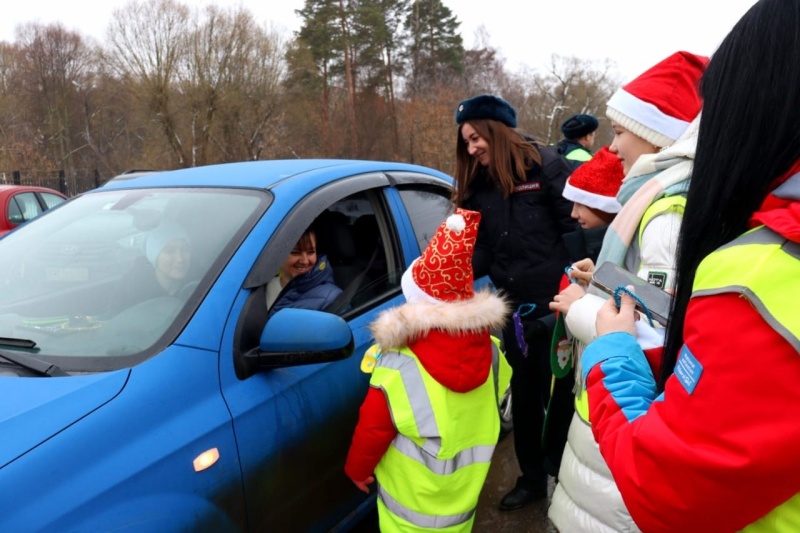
(612, 320)
(582, 271)
(363, 485)
(563, 300)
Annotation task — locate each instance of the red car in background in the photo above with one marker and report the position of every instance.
(21, 203)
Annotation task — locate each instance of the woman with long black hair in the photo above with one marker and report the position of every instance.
(712, 443)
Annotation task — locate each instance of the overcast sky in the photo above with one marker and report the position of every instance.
(634, 33)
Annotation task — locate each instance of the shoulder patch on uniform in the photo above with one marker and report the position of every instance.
(688, 370)
(659, 279)
(529, 186)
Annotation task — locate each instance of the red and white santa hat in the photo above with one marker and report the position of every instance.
(443, 273)
(596, 182)
(661, 102)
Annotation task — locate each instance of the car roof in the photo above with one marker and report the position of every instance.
(14, 188)
(267, 174)
(133, 173)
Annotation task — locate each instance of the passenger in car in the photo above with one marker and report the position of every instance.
(168, 249)
(163, 269)
(303, 280)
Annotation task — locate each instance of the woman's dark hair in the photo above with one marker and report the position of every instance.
(307, 240)
(511, 156)
(749, 136)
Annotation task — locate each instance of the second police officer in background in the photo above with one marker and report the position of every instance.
(579, 132)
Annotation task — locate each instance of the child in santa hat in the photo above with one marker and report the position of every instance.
(655, 120)
(593, 190)
(429, 423)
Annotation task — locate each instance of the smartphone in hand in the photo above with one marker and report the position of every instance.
(608, 276)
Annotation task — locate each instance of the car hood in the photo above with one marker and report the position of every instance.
(36, 408)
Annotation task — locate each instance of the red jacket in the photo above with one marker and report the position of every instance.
(723, 455)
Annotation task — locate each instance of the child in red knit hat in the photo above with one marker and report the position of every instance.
(593, 188)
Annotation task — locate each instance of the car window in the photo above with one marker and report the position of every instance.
(14, 212)
(426, 209)
(355, 236)
(23, 207)
(51, 200)
(108, 274)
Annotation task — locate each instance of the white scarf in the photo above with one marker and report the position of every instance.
(652, 176)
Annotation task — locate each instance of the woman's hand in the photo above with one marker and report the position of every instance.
(563, 300)
(612, 320)
(582, 271)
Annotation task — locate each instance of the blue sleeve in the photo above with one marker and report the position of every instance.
(625, 372)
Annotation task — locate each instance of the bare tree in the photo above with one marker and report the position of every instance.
(232, 81)
(51, 70)
(377, 79)
(571, 85)
(147, 45)
(485, 71)
(251, 124)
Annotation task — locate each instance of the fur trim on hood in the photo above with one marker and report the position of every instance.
(404, 324)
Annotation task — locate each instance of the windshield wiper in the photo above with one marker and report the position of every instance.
(28, 361)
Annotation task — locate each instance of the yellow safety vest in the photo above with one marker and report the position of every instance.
(432, 474)
(764, 256)
(664, 205)
(578, 154)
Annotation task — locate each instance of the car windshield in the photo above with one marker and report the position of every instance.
(107, 274)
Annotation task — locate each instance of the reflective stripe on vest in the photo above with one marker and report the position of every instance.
(760, 256)
(419, 401)
(501, 371)
(769, 257)
(414, 458)
(419, 519)
(476, 454)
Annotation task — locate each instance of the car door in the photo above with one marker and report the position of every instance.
(293, 425)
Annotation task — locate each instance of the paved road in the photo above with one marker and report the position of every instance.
(503, 474)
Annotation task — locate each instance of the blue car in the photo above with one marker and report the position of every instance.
(129, 406)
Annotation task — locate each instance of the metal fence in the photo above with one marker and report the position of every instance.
(81, 181)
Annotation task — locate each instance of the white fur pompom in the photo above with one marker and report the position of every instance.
(456, 223)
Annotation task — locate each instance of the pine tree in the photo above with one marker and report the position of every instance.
(435, 49)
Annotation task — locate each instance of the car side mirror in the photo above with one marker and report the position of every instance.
(294, 337)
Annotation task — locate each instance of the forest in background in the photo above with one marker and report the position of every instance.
(173, 86)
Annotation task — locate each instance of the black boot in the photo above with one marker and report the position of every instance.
(521, 495)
